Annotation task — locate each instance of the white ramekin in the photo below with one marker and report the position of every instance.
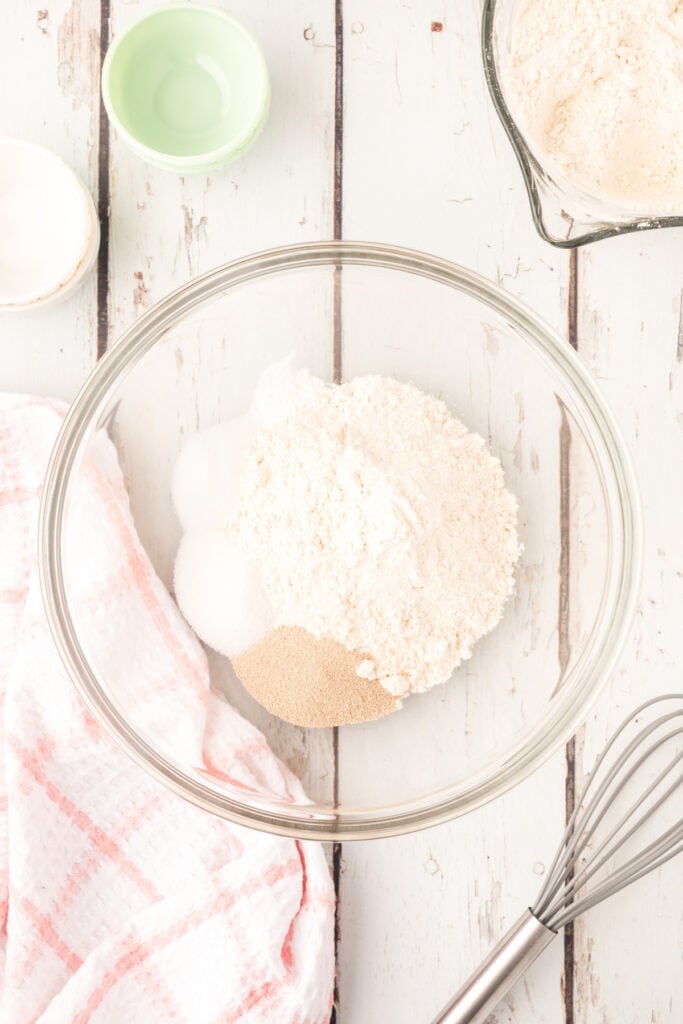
(49, 231)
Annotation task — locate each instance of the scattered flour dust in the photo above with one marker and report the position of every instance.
(377, 520)
(597, 86)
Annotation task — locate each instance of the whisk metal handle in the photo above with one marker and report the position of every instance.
(496, 975)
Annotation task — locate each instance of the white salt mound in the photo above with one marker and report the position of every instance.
(279, 390)
(205, 482)
(220, 592)
(206, 476)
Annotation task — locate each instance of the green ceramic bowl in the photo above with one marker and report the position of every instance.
(186, 87)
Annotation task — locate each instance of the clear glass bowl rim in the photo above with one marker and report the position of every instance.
(532, 171)
(300, 821)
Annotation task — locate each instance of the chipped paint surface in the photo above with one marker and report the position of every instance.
(488, 915)
(141, 293)
(442, 143)
(166, 229)
(50, 353)
(630, 336)
(425, 164)
(78, 54)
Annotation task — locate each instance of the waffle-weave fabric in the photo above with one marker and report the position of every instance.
(119, 902)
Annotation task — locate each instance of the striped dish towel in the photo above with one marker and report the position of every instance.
(120, 902)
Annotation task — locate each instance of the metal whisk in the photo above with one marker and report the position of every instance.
(644, 772)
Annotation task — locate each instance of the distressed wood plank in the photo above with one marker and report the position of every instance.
(426, 164)
(49, 74)
(629, 964)
(166, 229)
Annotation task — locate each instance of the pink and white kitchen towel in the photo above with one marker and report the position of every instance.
(120, 902)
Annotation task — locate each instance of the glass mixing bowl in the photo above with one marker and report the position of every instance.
(347, 309)
(564, 215)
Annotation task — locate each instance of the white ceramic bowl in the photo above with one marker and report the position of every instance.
(48, 227)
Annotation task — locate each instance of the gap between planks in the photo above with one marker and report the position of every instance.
(338, 225)
(568, 979)
(102, 342)
(103, 182)
(103, 195)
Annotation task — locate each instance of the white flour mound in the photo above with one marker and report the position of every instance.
(377, 520)
(597, 86)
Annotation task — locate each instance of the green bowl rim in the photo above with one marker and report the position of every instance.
(211, 158)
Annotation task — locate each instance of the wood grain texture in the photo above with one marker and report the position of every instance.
(418, 913)
(49, 70)
(165, 229)
(629, 965)
(410, 152)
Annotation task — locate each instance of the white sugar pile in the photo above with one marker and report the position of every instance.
(218, 590)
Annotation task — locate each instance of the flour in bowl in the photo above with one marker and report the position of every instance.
(597, 89)
(377, 520)
(373, 521)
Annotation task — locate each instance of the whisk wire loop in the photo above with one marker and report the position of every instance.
(618, 835)
(557, 903)
(628, 874)
(619, 801)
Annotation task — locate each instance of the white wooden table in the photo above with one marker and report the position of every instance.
(381, 129)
